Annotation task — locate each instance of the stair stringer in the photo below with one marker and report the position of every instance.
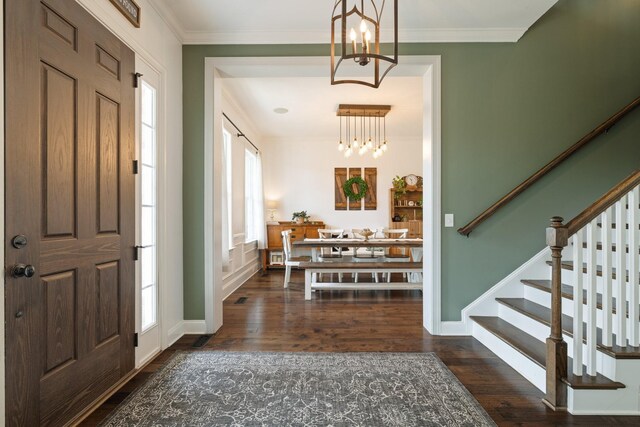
(509, 287)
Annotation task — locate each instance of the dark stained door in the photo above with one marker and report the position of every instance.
(70, 192)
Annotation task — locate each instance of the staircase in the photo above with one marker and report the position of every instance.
(569, 322)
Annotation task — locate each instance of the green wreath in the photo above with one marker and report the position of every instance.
(360, 184)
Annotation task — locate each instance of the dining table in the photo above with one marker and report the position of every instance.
(412, 267)
(415, 245)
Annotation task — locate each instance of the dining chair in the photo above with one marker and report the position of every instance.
(392, 254)
(364, 255)
(289, 259)
(332, 253)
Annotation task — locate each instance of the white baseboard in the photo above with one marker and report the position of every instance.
(174, 334)
(458, 328)
(239, 278)
(194, 327)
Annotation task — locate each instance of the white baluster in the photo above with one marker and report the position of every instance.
(578, 248)
(607, 287)
(634, 247)
(592, 263)
(621, 272)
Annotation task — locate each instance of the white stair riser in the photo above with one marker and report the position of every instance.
(522, 364)
(623, 401)
(614, 257)
(567, 279)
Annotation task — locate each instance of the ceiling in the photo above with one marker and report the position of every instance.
(296, 21)
(312, 105)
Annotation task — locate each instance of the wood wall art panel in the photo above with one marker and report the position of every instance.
(355, 205)
(371, 199)
(340, 178)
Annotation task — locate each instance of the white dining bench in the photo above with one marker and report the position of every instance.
(312, 270)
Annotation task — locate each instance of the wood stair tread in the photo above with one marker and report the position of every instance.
(542, 314)
(535, 350)
(567, 292)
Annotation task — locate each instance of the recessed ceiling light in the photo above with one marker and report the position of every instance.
(280, 110)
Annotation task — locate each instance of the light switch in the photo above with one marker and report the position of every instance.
(448, 220)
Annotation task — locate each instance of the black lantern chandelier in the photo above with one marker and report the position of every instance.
(363, 46)
(363, 128)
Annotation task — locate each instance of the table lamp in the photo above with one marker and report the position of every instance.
(272, 207)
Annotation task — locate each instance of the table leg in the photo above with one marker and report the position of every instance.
(307, 284)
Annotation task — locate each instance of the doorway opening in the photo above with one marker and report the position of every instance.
(219, 70)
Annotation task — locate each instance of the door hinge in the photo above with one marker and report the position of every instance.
(136, 167)
(136, 79)
(136, 251)
(135, 339)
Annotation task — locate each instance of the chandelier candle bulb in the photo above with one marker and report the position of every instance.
(366, 48)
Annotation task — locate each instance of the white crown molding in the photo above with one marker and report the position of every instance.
(444, 35)
(169, 18)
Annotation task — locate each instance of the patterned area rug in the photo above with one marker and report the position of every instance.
(301, 389)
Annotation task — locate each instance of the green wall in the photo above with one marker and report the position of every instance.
(507, 109)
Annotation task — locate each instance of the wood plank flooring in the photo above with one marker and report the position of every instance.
(277, 319)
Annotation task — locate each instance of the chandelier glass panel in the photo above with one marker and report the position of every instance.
(363, 129)
(357, 54)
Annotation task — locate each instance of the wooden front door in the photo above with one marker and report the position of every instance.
(70, 195)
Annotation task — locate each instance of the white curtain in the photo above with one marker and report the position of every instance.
(226, 154)
(260, 225)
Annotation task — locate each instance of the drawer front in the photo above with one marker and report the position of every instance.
(296, 236)
(311, 232)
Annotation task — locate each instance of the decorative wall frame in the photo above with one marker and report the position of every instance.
(129, 9)
(342, 202)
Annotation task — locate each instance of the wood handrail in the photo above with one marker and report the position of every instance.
(604, 127)
(603, 203)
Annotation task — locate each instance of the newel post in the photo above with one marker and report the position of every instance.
(556, 395)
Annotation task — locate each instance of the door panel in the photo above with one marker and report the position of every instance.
(59, 95)
(70, 191)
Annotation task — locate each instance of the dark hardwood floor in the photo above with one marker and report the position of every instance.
(277, 319)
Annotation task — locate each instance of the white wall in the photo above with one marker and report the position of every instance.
(299, 174)
(155, 42)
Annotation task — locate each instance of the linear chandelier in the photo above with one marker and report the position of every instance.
(363, 128)
(364, 48)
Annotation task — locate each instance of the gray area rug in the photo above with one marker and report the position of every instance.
(301, 389)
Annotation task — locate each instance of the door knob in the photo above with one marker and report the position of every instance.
(22, 270)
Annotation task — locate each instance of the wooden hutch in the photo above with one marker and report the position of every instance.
(409, 208)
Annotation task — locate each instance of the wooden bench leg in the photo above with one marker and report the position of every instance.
(307, 284)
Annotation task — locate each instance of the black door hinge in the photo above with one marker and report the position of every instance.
(136, 167)
(136, 79)
(135, 339)
(136, 251)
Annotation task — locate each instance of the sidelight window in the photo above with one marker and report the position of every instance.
(148, 208)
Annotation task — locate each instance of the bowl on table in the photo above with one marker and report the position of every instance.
(365, 233)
